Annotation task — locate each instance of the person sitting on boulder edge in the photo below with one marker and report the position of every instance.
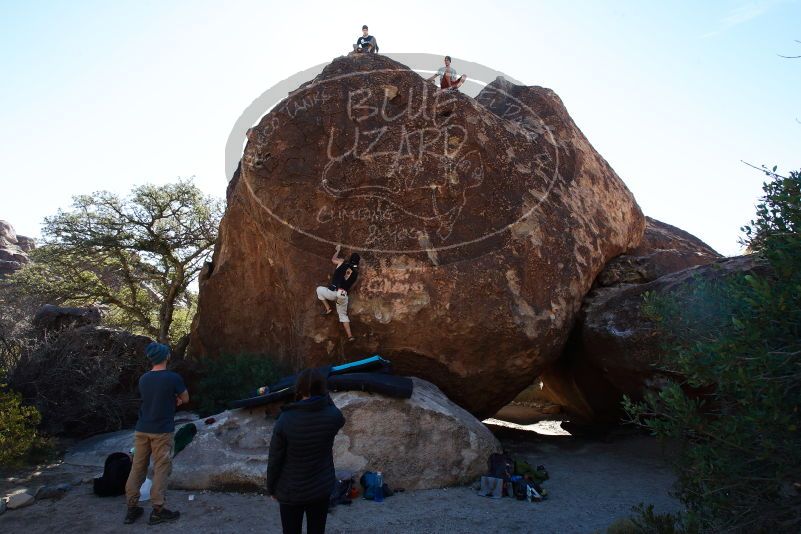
(344, 277)
(449, 78)
(365, 43)
(161, 391)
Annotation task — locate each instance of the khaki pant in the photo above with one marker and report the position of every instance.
(159, 447)
(323, 293)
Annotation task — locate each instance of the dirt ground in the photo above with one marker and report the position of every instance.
(593, 482)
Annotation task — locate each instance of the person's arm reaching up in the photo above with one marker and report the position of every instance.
(336, 260)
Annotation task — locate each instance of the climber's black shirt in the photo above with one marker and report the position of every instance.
(344, 276)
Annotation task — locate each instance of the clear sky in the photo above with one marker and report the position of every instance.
(108, 94)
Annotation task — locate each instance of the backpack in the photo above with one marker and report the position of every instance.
(369, 482)
(341, 492)
(115, 475)
(500, 466)
(522, 467)
(526, 490)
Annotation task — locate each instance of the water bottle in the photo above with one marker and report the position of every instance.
(378, 492)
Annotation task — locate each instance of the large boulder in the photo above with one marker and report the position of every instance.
(423, 442)
(616, 349)
(664, 249)
(482, 224)
(13, 249)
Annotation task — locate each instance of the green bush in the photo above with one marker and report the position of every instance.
(738, 343)
(232, 377)
(17, 427)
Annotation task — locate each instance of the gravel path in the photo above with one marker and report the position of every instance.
(593, 482)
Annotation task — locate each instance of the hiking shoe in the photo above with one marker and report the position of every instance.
(134, 513)
(162, 516)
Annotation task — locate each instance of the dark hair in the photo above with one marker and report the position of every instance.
(448, 58)
(309, 383)
(354, 259)
(364, 27)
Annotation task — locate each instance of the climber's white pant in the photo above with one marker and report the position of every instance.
(341, 298)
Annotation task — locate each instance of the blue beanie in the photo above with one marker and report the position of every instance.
(157, 352)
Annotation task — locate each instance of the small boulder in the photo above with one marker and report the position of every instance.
(20, 500)
(664, 249)
(52, 492)
(423, 442)
(52, 318)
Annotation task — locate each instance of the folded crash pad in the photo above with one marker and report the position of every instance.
(399, 387)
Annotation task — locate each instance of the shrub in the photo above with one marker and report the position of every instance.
(739, 340)
(17, 427)
(232, 377)
(83, 381)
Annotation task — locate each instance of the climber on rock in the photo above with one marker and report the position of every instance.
(344, 277)
(449, 78)
(366, 43)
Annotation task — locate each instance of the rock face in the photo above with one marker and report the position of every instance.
(481, 224)
(13, 249)
(50, 318)
(423, 442)
(664, 249)
(615, 349)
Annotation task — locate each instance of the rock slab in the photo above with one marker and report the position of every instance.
(423, 442)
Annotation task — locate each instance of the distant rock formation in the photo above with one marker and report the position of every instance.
(13, 249)
(482, 224)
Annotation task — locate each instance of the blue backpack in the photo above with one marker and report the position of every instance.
(369, 482)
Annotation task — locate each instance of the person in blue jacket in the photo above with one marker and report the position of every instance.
(300, 469)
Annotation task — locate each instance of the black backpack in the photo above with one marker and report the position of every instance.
(500, 466)
(341, 492)
(115, 475)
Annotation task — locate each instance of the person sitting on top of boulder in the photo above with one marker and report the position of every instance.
(366, 43)
(449, 78)
(344, 277)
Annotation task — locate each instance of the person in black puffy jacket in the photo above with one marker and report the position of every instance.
(300, 469)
